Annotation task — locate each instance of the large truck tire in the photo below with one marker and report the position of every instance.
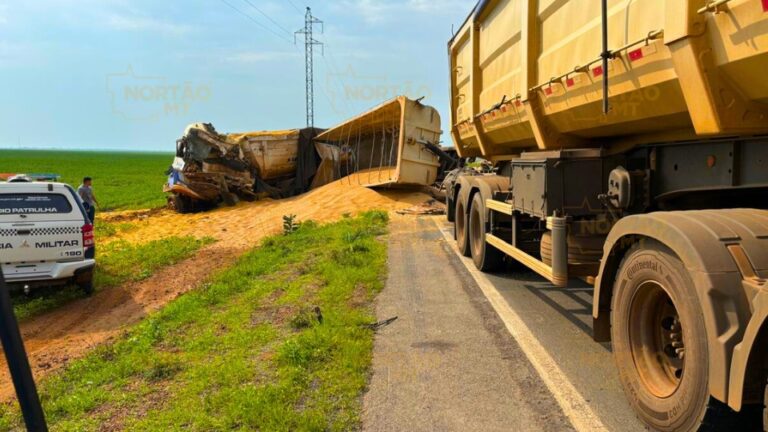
(486, 257)
(229, 199)
(660, 342)
(181, 204)
(765, 409)
(460, 227)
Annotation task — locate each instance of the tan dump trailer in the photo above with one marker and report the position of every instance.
(393, 144)
(630, 145)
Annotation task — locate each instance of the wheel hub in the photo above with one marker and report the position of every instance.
(656, 339)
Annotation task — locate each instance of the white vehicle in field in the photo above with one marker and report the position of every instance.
(46, 237)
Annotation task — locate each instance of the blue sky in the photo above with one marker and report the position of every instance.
(130, 75)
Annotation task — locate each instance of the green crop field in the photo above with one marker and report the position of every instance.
(121, 181)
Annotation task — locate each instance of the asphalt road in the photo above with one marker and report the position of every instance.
(471, 351)
(560, 322)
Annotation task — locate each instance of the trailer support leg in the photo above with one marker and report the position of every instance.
(559, 228)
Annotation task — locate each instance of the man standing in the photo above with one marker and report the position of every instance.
(89, 200)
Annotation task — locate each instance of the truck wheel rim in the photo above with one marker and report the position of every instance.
(656, 339)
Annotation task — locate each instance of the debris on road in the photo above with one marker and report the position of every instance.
(430, 207)
(381, 324)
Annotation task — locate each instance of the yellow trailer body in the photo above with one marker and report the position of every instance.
(527, 75)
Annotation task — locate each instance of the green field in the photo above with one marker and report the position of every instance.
(121, 181)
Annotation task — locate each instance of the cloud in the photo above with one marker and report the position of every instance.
(124, 22)
(114, 15)
(376, 11)
(22, 54)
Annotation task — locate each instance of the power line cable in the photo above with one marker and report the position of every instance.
(335, 74)
(298, 9)
(268, 17)
(255, 21)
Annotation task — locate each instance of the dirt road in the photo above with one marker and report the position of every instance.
(55, 338)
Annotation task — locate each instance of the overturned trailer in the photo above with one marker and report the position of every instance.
(394, 144)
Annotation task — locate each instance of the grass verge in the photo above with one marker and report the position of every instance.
(277, 342)
(117, 262)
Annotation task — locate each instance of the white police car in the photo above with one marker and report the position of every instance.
(45, 236)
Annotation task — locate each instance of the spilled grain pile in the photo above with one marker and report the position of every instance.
(244, 225)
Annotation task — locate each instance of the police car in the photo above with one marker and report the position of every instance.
(46, 237)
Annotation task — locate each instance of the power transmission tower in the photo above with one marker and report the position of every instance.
(309, 45)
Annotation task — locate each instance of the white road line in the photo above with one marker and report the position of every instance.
(570, 400)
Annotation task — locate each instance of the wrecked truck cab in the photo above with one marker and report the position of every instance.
(212, 168)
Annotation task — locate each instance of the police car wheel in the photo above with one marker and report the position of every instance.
(87, 287)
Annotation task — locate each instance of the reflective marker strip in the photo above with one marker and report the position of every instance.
(638, 53)
(548, 91)
(570, 82)
(598, 71)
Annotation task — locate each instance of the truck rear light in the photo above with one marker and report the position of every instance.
(765, 5)
(598, 71)
(636, 54)
(88, 238)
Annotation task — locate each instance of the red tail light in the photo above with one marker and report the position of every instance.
(765, 5)
(88, 239)
(636, 54)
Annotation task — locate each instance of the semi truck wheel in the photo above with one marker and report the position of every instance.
(87, 287)
(460, 228)
(765, 409)
(486, 257)
(659, 340)
(181, 204)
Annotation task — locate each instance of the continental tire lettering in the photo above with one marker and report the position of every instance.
(642, 265)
